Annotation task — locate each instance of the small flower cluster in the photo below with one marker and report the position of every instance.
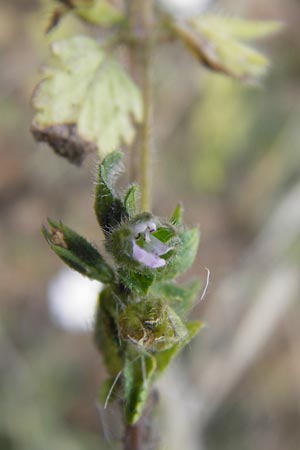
(141, 321)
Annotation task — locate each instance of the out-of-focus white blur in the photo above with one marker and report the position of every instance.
(72, 300)
(185, 7)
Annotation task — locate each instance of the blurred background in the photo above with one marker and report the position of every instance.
(231, 154)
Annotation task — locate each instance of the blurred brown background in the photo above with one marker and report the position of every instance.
(231, 154)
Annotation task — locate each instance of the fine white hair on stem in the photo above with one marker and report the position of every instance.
(111, 389)
(206, 284)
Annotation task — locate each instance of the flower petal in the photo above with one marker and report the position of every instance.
(147, 259)
(143, 226)
(158, 247)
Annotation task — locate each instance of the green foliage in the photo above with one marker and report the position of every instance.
(106, 333)
(141, 318)
(238, 28)
(140, 282)
(84, 88)
(176, 218)
(77, 253)
(86, 101)
(216, 41)
(131, 200)
(100, 12)
(96, 12)
(109, 209)
(185, 256)
(138, 374)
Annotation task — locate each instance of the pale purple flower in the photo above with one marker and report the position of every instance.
(152, 248)
(148, 259)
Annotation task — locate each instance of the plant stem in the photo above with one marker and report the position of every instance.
(146, 144)
(140, 18)
(133, 437)
(143, 434)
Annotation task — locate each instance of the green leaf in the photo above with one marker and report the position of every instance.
(164, 234)
(82, 87)
(100, 12)
(131, 199)
(164, 358)
(176, 218)
(184, 256)
(109, 209)
(238, 28)
(139, 282)
(106, 334)
(180, 299)
(214, 40)
(107, 118)
(97, 12)
(138, 373)
(77, 252)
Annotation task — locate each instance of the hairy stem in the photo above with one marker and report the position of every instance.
(140, 19)
(146, 144)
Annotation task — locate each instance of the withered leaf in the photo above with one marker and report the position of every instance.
(65, 141)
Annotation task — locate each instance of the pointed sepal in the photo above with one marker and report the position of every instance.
(77, 252)
(109, 208)
(131, 200)
(177, 215)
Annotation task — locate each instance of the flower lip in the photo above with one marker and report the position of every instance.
(146, 258)
(146, 248)
(157, 247)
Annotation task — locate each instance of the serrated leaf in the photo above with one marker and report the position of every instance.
(238, 28)
(109, 209)
(106, 117)
(100, 12)
(81, 87)
(181, 299)
(214, 41)
(138, 373)
(97, 12)
(77, 252)
(130, 200)
(164, 358)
